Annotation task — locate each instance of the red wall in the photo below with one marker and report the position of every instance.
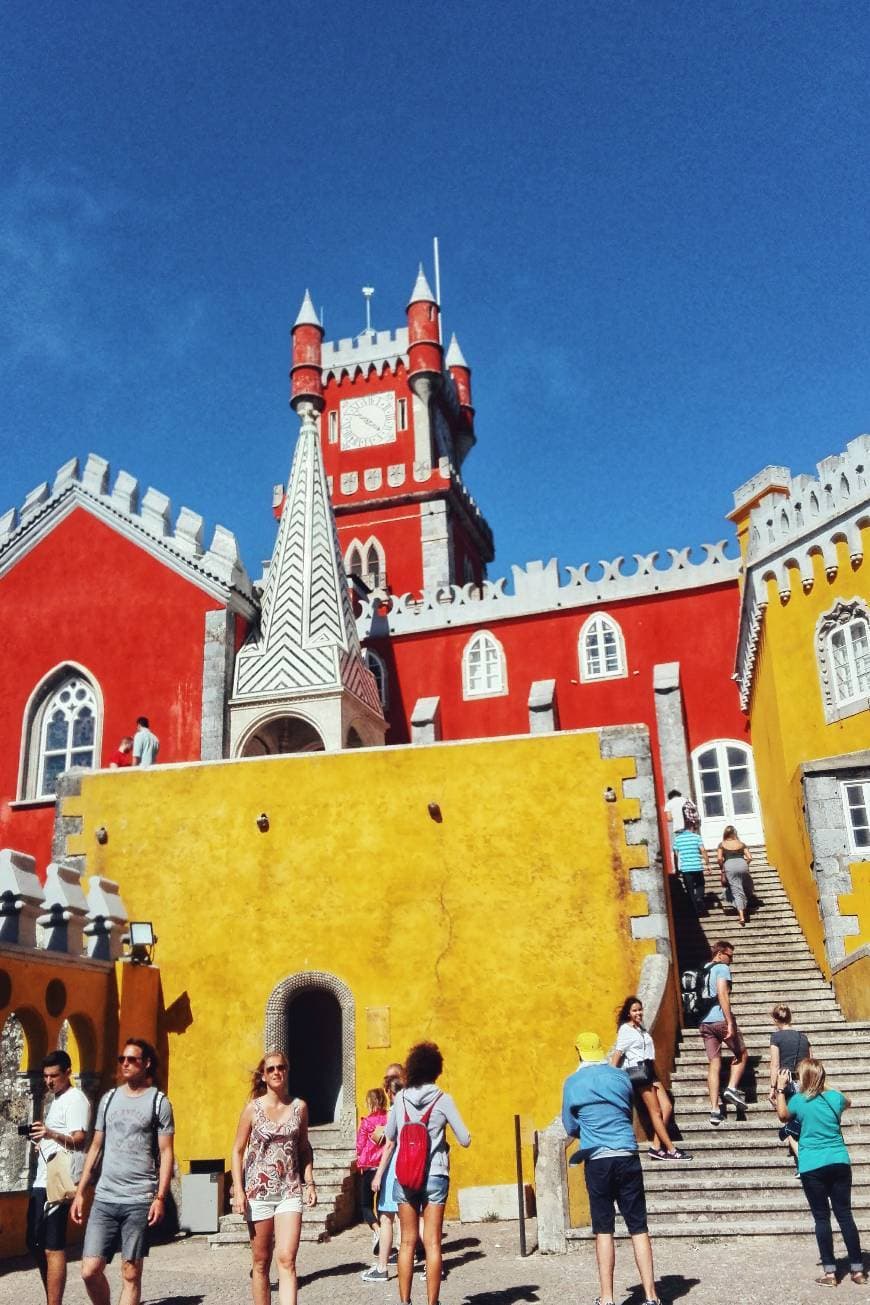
(697, 628)
(88, 595)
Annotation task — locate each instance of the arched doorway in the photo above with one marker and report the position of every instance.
(724, 773)
(310, 1017)
(282, 734)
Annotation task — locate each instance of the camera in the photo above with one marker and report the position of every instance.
(24, 1130)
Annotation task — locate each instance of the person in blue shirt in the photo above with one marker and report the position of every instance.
(690, 858)
(597, 1106)
(823, 1163)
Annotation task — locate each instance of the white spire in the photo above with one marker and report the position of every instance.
(421, 291)
(454, 354)
(307, 315)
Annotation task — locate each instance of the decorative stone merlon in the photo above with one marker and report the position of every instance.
(181, 546)
(66, 910)
(538, 587)
(543, 707)
(20, 898)
(107, 920)
(426, 721)
(768, 480)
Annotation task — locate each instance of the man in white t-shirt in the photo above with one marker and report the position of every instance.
(65, 1125)
(146, 744)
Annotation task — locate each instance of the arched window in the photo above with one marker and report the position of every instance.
(843, 654)
(367, 562)
(484, 670)
(602, 649)
(378, 669)
(62, 728)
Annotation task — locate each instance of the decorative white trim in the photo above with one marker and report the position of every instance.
(218, 570)
(859, 853)
(798, 520)
(538, 588)
(483, 637)
(363, 549)
(592, 677)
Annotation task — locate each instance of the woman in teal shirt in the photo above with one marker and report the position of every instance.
(823, 1163)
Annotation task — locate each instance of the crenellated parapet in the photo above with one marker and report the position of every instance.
(793, 521)
(146, 517)
(58, 916)
(539, 587)
(381, 350)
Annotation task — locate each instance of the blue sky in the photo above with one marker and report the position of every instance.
(653, 221)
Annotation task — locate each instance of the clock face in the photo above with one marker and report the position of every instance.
(368, 420)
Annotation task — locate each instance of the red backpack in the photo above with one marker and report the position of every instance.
(413, 1158)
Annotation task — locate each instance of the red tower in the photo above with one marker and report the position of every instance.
(396, 426)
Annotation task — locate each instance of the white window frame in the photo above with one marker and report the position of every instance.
(378, 668)
(401, 414)
(469, 690)
(34, 724)
(332, 422)
(588, 676)
(862, 852)
(841, 617)
(364, 549)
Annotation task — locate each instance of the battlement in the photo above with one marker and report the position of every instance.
(148, 517)
(381, 349)
(538, 588)
(57, 916)
(799, 519)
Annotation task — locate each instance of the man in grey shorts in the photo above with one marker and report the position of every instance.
(134, 1131)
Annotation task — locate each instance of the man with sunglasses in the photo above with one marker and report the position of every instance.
(133, 1135)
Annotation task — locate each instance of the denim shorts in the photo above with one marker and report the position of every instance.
(616, 1180)
(114, 1223)
(258, 1210)
(434, 1193)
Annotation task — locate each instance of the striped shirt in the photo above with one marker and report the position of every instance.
(689, 848)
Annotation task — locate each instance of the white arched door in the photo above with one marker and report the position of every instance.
(726, 792)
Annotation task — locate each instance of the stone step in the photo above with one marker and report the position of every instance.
(836, 1057)
(730, 1200)
(851, 1079)
(788, 1224)
(688, 1177)
(757, 1120)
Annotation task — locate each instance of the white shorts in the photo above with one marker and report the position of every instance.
(258, 1210)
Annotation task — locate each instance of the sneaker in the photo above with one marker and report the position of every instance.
(657, 1153)
(374, 1274)
(715, 1118)
(423, 1272)
(735, 1096)
(677, 1154)
(599, 1301)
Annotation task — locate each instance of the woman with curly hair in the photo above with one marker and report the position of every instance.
(272, 1162)
(635, 1053)
(421, 1101)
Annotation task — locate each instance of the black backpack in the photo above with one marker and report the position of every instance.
(697, 1003)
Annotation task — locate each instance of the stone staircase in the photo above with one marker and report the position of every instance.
(335, 1176)
(741, 1180)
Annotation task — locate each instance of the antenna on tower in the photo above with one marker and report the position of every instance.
(437, 262)
(368, 291)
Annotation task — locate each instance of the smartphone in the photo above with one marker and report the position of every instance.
(24, 1130)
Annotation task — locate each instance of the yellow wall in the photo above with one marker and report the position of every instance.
(789, 727)
(498, 932)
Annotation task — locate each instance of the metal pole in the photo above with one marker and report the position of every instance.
(521, 1188)
(437, 262)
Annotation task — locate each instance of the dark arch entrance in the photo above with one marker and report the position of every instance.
(314, 1051)
(311, 1017)
(282, 734)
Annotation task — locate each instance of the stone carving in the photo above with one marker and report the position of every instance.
(373, 477)
(841, 614)
(63, 916)
(182, 545)
(537, 587)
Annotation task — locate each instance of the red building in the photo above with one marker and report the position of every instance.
(112, 610)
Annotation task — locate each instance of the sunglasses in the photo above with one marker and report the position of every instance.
(276, 1069)
(129, 1060)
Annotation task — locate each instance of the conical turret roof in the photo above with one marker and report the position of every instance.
(307, 315)
(422, 292)
(455, 356)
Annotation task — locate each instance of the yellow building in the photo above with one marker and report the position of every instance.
(803, 666)
(491, 896)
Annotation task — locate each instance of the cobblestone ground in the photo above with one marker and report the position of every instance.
(483, 1268)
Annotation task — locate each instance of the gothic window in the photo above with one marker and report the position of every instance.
(374, 575)
(843, 654)
(379, 671)
(62, 728)
(484, 671)
(353, 562)
(856, 802)
(602, 649)
(367, 562)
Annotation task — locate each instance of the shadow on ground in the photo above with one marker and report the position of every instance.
(671, 1287)
(507, 1296)
(334, 1271)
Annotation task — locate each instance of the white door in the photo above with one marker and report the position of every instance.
(725, 791)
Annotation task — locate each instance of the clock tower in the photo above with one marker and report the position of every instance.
(396, 426)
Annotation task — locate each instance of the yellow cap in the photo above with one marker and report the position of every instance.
(589, 1047)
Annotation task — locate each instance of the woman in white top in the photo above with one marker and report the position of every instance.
(635, 1053)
